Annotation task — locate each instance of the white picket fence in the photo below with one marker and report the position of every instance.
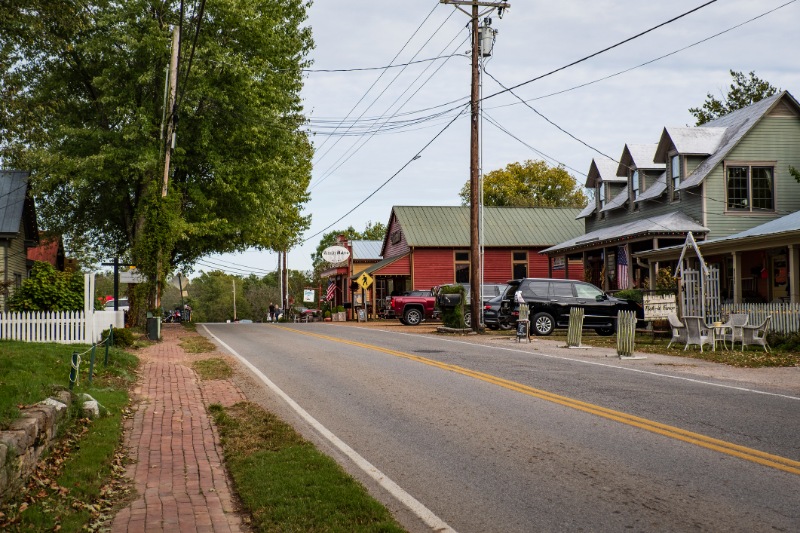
(785, 316)
(64, 327)
(61, 327)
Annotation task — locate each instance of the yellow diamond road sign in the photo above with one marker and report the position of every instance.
(365, 280)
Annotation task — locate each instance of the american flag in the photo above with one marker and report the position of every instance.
(622, 268)
(331, 290)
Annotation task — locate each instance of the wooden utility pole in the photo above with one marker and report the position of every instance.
(475, 277)
(173, 93)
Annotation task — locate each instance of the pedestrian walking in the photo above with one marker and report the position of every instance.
(272, 312)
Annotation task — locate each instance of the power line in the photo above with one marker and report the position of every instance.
(416, 156)
(397, 65)
(382, 73)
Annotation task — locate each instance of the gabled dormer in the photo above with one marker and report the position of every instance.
(605, 184)
(682, 150)
(638, 167)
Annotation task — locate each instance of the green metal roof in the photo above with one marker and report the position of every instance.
(432, 226)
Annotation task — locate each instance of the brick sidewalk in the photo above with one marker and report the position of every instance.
(177, 464)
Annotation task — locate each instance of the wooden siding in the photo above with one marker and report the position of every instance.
(497, 265)
(775, 138)
(692, 162)
(432, 267)
(395, 249)
(401, 267)
(12, 253)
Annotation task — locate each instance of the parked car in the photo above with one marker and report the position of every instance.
(492, 317)
(489, 291)
(304, 313)
(414, 307)
(123, 305)
(550, 300)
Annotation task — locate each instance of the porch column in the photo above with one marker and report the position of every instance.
(737, 277)
(653, 274)
(566, 266)
(630, 265)
(794, 274)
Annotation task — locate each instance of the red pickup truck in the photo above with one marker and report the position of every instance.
(414, 307)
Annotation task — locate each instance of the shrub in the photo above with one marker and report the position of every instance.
(327, 314)
(340, 309)
(634, 295)
(123, 337)
(453, 317)
(47, 289)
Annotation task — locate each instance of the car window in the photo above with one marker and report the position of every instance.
(534, 289)
(584, 290)
(561, 289)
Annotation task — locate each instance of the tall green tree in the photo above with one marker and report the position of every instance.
(528, 184)
(83, 108)
(744, 90)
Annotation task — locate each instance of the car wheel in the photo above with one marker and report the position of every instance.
(605, 332)
(493, 327)
(412, 317)
(543, 324)
(505, 326)
(403, 321)
(468, 319)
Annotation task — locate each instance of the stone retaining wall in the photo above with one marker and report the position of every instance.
(23, 443)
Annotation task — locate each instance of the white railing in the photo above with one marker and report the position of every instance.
(785, 316)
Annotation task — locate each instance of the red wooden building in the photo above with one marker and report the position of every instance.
(427, 246)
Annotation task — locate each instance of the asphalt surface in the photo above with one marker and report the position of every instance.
(494, 435)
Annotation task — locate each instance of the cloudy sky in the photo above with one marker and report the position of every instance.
(369, 123)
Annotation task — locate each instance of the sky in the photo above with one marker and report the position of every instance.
(405, 143)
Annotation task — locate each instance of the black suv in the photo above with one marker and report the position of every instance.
(550, 300)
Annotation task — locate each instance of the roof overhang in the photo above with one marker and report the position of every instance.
(375, 270)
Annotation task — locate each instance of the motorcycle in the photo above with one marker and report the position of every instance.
(172, 316)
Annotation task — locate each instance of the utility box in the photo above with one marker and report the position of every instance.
(153, 328)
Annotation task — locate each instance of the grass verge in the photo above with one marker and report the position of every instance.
(77, 483)
(285, 484)
(212, 369)
(197, 344)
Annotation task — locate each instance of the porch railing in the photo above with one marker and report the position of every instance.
(785, 316)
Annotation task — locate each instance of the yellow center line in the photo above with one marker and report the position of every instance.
(742, 452)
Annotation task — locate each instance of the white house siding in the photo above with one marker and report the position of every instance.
(772, 139)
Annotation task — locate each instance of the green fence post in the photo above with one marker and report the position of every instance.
(91, 364)
(109, 340)
(73, 372)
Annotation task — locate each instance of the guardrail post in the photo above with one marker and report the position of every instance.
(626, 333)
(91, 363)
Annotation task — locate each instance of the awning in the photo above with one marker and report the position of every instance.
(401, 269)
(676, 224)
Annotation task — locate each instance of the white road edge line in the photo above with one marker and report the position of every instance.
(424, 514)
(596, 363)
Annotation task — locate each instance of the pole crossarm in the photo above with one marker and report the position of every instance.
(504, 5)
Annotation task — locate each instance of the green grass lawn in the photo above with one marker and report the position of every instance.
(74, 486)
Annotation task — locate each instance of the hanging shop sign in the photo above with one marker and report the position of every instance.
(335, 254)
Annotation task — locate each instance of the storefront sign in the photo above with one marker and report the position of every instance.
(308, 295)
(659, 306)
(335, 254)
(558, 262)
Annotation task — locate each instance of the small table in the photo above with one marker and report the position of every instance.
(719, 334)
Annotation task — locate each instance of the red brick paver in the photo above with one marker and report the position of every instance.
(177, 464)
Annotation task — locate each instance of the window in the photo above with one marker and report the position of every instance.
(601, 195)
(635, 184)
(17, 281)
(561, 289)
(675, 166)
(585, 290)
(519, 265)
(750, 188)
(462, 267)
(534, 289)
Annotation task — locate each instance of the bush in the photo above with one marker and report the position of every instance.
(340, 309)
(453, 317)
(123, 337)
(634, 295)
(327, 314)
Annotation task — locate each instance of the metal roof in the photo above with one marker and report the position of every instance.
(655, 190)
(660, 225)
(603, 169)
(618, 201)
(366, 250)
(736, 125)
(588, 210)
(448, 226)
(692, 141)
(379, 265)
(13, 189)
(638, 156)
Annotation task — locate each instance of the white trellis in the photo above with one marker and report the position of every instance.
(700, 289)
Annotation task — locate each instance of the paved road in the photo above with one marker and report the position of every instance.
(497, 436)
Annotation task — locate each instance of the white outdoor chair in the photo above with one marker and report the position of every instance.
(756, 335)
(678, 329)
(735, 322)
(698, 332)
